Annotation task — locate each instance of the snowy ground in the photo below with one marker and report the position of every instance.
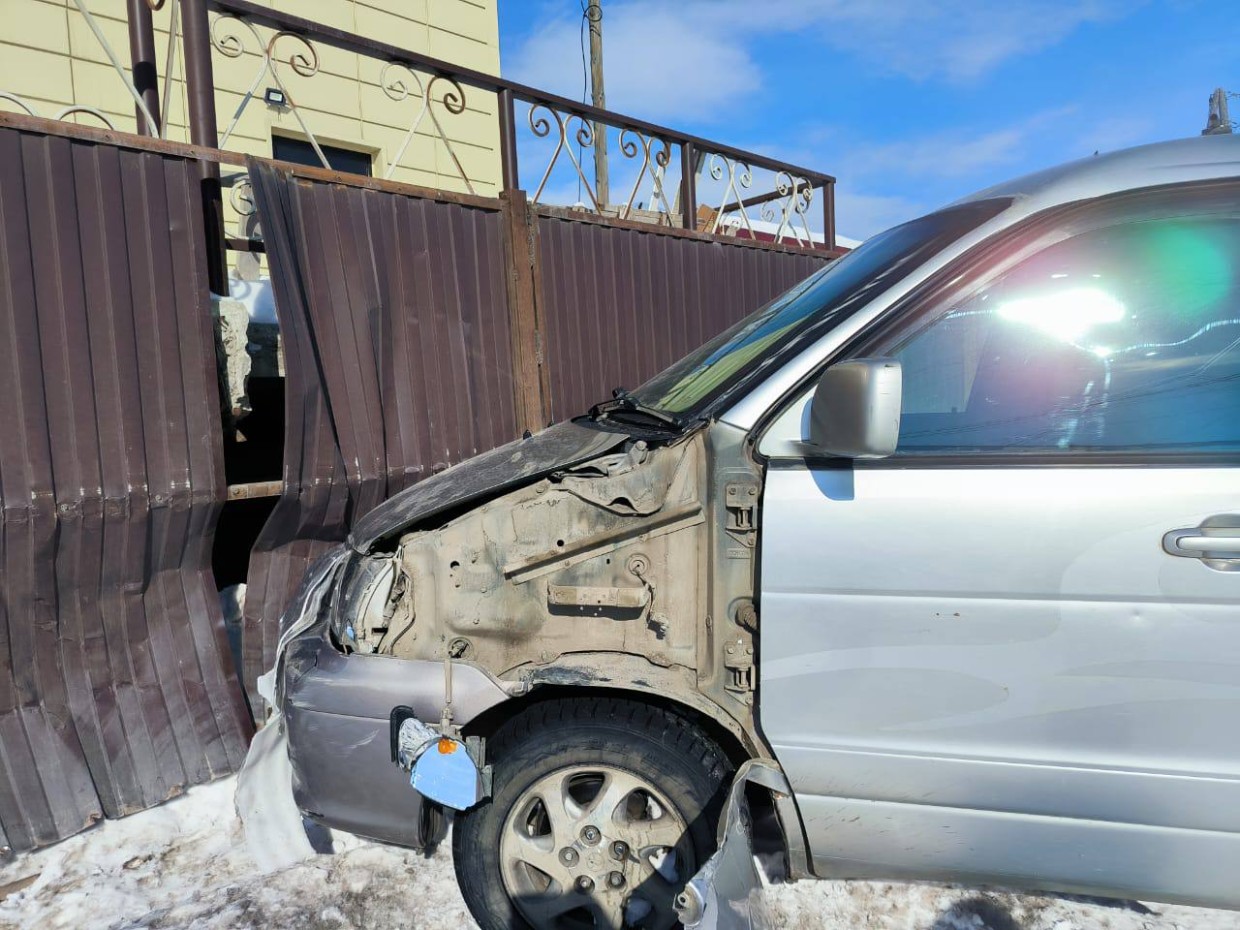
(185, 865)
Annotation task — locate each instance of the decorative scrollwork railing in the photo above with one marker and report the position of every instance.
(583, 137)
(152, 124)
(149, 120)
(574, 136)
(654, 163)
(241, 199)
(739, 179)
(304, 60)
(30, 108)
(241, 195)
(661, 174)
(784, 210)
(453, 102)
(797, 196)
(233, 35)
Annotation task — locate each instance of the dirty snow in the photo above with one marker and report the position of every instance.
(185, 865)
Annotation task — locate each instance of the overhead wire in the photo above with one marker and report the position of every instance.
(591, 12)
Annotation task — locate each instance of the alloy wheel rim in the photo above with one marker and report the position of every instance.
(595, 846)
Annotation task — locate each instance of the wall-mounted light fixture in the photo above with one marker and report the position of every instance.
(275, 97)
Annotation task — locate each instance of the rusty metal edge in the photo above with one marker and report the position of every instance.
(202, 153)
(130, 140)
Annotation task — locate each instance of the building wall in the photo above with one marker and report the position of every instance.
(51, 59)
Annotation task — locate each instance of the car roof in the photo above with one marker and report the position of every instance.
(1196, 159)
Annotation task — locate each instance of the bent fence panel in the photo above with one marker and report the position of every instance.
(117, 688)
(393, 311)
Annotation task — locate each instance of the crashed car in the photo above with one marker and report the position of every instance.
(929, 569)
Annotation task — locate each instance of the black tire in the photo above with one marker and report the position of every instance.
(662, 747)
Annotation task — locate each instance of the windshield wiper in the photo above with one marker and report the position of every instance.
(624, 406)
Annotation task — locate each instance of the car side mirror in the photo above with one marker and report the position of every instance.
(855, 412)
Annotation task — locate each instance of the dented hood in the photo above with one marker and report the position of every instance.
(516, 463)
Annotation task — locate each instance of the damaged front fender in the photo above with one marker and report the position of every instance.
(337, 709)
(726, 893)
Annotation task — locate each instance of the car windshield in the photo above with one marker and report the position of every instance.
(734, 357)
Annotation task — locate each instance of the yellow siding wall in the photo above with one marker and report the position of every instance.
(51, 59)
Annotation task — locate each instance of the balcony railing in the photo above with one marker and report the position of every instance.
(545, 142)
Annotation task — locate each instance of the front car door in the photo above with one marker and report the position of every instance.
(1011, 651)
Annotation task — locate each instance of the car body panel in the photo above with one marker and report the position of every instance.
(986, 847)
(947, 659)
(726, 893)
(484, 476)
(336, 712)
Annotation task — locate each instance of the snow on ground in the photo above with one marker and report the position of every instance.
(185, 865)
(884, 906)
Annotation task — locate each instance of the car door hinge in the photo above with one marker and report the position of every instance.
(738, 660)
(741, 512)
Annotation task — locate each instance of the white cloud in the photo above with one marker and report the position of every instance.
(861, 215)
(956, 40)
(659, 63)
(664, 59)
(951, 154)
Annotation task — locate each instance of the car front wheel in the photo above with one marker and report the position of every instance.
(601, 810)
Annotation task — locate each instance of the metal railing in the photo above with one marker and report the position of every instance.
(570, 127)
(545, 140)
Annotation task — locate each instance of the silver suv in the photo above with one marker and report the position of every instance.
(929, 569)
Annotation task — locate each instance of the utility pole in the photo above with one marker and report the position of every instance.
(1218, 122)
(594, 15)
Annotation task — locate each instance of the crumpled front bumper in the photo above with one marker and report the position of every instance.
(726, 893)
(336, 711)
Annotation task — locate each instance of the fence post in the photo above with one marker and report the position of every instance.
(828, 214)
(200, 89)
(528, 373)
(688, 185)
(142, 61)
(508, 141)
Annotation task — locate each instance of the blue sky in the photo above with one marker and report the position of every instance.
(909, 103)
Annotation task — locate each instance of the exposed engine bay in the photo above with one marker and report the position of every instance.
(633, 570)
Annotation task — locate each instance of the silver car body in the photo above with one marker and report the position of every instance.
(976, 669)
(995, 672)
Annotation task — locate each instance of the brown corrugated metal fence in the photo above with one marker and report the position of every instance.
(394, 316)
(618, 304)
(116, 683)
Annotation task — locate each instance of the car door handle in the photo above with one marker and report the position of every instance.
(1204, 542)
(1200, 545)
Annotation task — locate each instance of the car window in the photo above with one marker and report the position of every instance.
(764, 339)
(1122, 338)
